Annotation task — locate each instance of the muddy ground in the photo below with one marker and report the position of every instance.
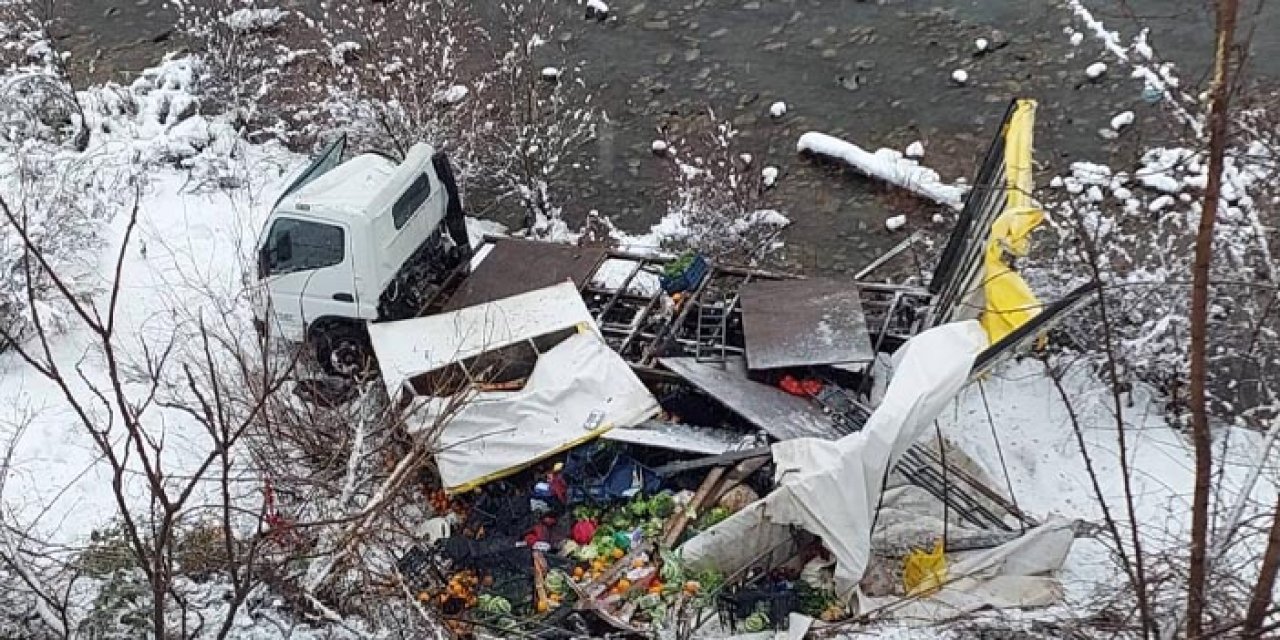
(876, 73)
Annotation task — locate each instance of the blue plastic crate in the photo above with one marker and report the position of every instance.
(687, 280)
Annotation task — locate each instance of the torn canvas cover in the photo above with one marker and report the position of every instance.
(509, 383)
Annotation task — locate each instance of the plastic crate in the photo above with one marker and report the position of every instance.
(688, 279)
(778, 603)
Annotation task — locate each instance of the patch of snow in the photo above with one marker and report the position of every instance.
(1141, 46)
(981, 44)
(915, 150)
(550, 73)
(895, 223)
(887, 165)
(1096, 70)
(249, 20)
(1122, 120)
(1160, 204)
(778, 109)
(1056, 182)
(597, 8)
(338, 54)
(659, 146)
(1076, 39)
(1162, 182)
(960, 76)
(769, 176)
(746, 158)
(453, 95)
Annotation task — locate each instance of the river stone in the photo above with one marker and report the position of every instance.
(657, 25)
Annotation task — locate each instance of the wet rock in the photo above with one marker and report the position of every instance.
(775, 46)
(565, 37)
(718, 33)
(751, 6)
(851, 82)
(664, 58)
(657, 25)
(999, 39)
(864, 65)
(691, 55)
(817, 43)
(828, 54)
(636, 9)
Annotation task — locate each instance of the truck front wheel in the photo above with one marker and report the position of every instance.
(342, 349)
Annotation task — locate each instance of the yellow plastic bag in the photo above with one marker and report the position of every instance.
(925, 570)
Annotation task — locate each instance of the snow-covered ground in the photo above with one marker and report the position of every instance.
(183, 264)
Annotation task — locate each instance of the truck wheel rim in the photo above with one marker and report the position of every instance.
(347, 357)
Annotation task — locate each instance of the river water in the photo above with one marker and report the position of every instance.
(877, 73)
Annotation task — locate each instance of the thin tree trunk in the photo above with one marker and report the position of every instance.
(1218, 126)
(1261, 601)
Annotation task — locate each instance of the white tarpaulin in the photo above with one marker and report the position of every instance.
(831, 489)
(411, 347)
(1013, 575)
(575, 391)
(498, 432)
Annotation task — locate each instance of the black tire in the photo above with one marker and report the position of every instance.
(342, 350)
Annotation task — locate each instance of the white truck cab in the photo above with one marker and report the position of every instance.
(354, 242)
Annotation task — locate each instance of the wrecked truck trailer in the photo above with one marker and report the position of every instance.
(621, 453)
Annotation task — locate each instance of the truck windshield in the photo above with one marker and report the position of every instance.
(298, 245)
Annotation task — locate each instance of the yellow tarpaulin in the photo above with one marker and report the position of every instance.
(1009, 301)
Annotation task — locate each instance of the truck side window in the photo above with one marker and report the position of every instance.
(411, 200)
(297, 245)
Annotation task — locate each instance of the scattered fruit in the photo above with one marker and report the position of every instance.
(617, 553)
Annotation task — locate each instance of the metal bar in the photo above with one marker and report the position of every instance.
(711, 461)
(889, 255)
(621, 290)
(915, 479)
(638, 322)
(928, 469)
(986, 491)
(647, 357)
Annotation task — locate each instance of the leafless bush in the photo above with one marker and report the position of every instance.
(538, 112)
(720, 193)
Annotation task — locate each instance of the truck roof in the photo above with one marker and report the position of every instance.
(349, 188)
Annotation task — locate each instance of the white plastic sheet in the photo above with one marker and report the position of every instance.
(411, 347)
(499, 432)
(831, 490)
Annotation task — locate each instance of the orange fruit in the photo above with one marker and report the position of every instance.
(578, 572)
(617, 553)
(624, 584)
(637, 563)
(543, 605)
(692, 586)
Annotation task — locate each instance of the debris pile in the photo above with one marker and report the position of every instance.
(631, 443)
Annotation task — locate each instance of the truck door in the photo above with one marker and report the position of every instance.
(309, 273)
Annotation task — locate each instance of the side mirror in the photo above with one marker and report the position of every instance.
(264, 262)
